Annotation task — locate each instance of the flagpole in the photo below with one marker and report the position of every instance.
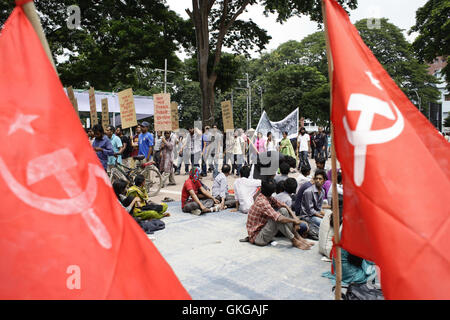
(30, 11)
(335, 200)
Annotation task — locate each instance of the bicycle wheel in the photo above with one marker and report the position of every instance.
(153, 180)
(116, 175)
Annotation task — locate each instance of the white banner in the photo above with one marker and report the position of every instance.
(289, 124)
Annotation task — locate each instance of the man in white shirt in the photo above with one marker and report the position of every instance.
(194, 145)
(220, 189)
(245, 190)
(303, 147)
(303, 177)
(238, 152)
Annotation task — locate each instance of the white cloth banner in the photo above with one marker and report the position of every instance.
(289, 124)
(143, 105)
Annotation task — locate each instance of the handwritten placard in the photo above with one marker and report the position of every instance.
(163, 121)
(94, 119)
(105, 114)
(127, 108)
(174, 116)
(227, 116)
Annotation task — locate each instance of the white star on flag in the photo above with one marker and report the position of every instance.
(22, 122)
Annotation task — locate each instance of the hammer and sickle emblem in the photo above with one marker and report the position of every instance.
(80, 202)
(362, 136)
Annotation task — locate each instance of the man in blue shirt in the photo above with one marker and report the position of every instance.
(102, 145)
(146, 142)
(116, 145)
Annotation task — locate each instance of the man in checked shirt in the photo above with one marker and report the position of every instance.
(264, 222)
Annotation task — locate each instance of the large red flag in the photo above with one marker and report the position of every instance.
(63, 233)
(396, 170)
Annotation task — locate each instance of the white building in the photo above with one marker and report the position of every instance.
(436, 70)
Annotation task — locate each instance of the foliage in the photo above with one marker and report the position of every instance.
(116, 39)
(397, 56)
(433, 25)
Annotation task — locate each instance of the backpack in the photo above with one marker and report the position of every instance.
(362, 291)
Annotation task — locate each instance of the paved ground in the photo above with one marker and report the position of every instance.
(205, 253)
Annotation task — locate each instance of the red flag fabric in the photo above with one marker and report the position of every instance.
(63, 233)
(396, 171)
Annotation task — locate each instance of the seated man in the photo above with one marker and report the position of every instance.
(144, 208)
(285, 190)
(304, 176)
(195, 198)
(264, 222)
(284, 172)
(312, 199)
(220, 188)
(244, 190)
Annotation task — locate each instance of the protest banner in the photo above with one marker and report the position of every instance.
(127, 108)
(163, 122)
(94, 119)
(72, 99)
(174, 116)
(105, 114)
(227, 116)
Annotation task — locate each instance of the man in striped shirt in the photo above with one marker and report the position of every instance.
(264, 222)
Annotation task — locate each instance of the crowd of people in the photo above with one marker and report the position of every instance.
(274, 185)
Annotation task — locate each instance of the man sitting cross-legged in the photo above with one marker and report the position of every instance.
(195, 198)
(144, 208)
(264, 222)
(220, 188)
(244, 190)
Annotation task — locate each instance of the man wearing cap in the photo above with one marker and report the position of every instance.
(146, 142)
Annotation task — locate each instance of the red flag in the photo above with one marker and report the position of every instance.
(63, 233)
(396, 171)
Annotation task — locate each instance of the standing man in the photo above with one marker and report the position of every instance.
(126, 149)
(166, 162)
(321, 143)
(102, 145)
(303, 147)
(135, 145)
(116, 145)
(206, 139)
(146, 142)
(194, 145)
(238, 152)
(157, 147)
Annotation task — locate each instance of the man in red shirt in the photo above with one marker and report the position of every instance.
(196, 199)
(264, 222)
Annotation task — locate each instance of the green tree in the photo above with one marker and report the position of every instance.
(447, 121)
(293, 86)
(433, 25)
(216, 25)
(116, 40)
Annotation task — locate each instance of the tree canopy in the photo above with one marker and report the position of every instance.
(433, 26)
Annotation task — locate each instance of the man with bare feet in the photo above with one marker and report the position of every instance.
(267, 216)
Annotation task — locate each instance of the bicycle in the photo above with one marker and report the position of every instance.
(153, 178)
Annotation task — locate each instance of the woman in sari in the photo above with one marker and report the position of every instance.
(286, 147)
(166, 161)
(144, 208)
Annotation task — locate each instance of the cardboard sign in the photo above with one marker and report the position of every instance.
(105, 114)
(94, 119)
(163, 121)
(174, 116)
(227, 116)
(72, 99)
(127, 108)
